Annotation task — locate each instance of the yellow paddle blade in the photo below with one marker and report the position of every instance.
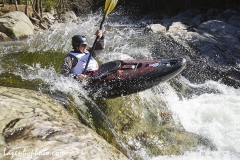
(109, 6)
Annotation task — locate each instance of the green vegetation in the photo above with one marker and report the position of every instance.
(45, 3)
(49, 3)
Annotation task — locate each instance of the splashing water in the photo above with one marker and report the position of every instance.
(213, 113)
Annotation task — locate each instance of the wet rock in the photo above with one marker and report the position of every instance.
(155, 28)
(148, 129)
(212, 45)
(69, 16)
(4, 37)
(82, 7)
(211, 14)
(230, 16)
(33, 123)
(190, 18)
(177, 27)
(16, 25)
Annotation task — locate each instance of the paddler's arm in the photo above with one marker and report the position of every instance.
(69, 62)
(100, 44)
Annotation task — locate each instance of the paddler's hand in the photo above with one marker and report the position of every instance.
(81, 77)
(99, 33)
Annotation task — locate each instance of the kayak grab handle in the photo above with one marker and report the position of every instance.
(131, 66)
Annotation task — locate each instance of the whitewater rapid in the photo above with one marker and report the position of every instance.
(213, 115)
(213, 111)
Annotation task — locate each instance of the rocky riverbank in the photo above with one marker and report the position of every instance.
(17, 25)
(209, 40)
(34, 125)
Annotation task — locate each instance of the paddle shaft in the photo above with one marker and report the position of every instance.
(109, 6)
(93, 47)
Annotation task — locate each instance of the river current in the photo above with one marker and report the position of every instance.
(35, 63)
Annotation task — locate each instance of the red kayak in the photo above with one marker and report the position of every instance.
(124, 77)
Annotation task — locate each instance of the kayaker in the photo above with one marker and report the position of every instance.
(75, 61)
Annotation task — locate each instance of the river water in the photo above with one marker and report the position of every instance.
(212, 111)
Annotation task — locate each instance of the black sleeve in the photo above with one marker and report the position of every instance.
(99, 47)
(68, 63)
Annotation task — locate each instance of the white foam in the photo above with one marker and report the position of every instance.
(215, 116)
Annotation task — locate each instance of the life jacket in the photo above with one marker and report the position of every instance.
(82, 60)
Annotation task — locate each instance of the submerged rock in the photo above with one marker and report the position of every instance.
(33, 126)
(147, 129)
